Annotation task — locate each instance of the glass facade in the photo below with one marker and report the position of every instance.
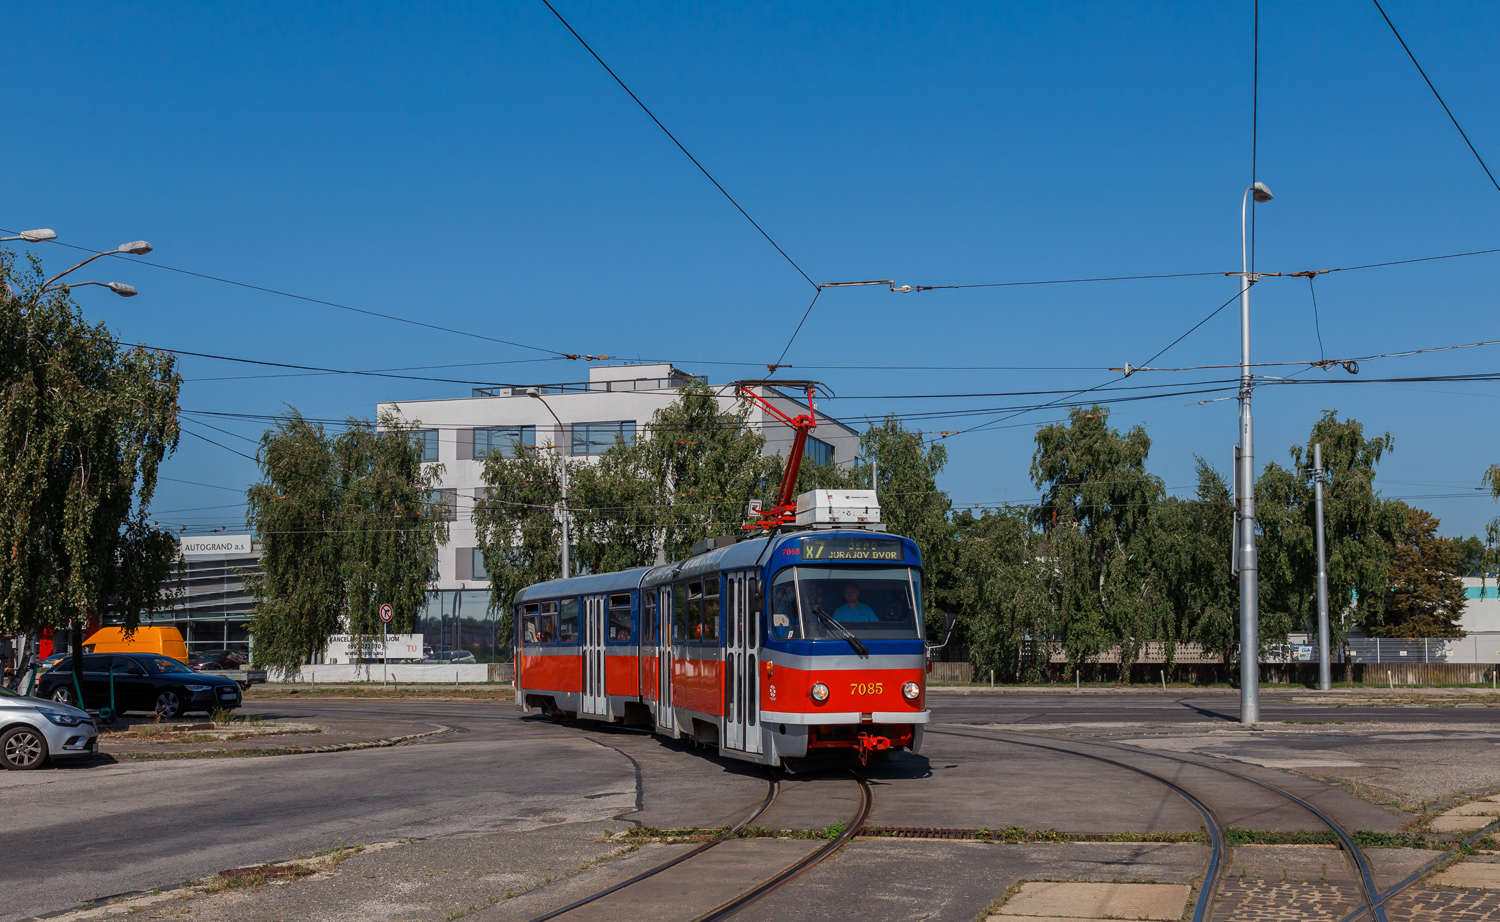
(503, 440)
(597, 438)
(428, 438)
(818, 451)
(211, 606)
(461, 619)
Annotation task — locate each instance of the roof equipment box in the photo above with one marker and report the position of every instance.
(838, 507)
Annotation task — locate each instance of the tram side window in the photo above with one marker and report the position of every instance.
(648, 617)
(695, 610)
(619, 618)
(567, 625)
(680, 613)
(546, 622)
(711, 609)
(530, 627)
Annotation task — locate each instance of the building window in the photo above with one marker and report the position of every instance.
(597, 438)
(818, 451)
(478, 566)
(503, 440)
(428, 439)
(444, 504)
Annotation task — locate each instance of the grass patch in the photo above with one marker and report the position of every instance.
(1364, 838)
(489, 691)
(1020, 835)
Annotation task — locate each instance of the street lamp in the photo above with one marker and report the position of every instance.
(1249, 575)
(533, 392)
(133, 248)
(119, 288)
(33, 236)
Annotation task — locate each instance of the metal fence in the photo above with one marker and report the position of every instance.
(1473, 648)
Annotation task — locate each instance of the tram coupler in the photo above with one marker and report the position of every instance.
(869, 744)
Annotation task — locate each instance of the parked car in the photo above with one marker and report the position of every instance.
(34, 731)
(166, 641)
(451, 657)
(217, 660)
(147, 682)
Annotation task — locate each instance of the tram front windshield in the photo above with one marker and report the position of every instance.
(822, 603)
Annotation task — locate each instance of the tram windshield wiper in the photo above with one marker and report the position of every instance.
(833, 624)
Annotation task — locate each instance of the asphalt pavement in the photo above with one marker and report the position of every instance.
(90, 832)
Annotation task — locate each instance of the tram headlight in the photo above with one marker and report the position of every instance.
(819, 692)
(910, 691)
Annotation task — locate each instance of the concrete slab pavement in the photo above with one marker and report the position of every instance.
(1099, 900)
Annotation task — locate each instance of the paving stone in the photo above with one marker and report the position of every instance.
(1478, 808)
(1098, 901)
(1470, 874)
(1450, 823)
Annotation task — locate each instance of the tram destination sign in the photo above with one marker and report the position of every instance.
(849, 547)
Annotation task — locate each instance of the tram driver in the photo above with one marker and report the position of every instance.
(853, 609)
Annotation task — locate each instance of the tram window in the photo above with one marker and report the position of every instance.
(711, 609)
(546, 622)
(825, 603)
(695, 610)
(680, 613)
(619, 618)
(648, 617)
(785, 618)
(567, 624)
(530, 628)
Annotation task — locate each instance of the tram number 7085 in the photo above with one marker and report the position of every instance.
(866, 688)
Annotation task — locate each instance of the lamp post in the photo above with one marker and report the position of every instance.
(134, 248)
(1249, 575)
(533, 392)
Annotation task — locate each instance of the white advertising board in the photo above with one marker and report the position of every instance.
(215, 546)
(398, 648)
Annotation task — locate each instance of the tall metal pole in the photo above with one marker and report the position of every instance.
(533, 392)
(1325, 671)
(1249, 576)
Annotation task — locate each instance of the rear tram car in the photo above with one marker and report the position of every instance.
(789, 645)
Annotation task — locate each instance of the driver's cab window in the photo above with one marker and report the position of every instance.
(783, 623)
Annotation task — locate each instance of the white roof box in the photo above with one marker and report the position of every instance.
(838, 507)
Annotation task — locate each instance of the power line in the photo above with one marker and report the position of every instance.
(684, 150)
(1439, 96)
(805, 314)
(334, 304)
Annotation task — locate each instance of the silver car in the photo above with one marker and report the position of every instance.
(33, 730)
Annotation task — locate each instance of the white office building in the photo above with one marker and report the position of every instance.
(615, 400)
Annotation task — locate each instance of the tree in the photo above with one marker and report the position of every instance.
(1361, 530)
(1096, 503)
(517, 523)
(1426, 595)
(903, 468)
(1473, 555)
(999, 584)
(84, 427)
(345, 523)
(1188, 546)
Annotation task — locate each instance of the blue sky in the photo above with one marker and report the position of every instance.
(469, 165)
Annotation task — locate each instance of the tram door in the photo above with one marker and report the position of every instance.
(665, 719)
(742, 666)
(594, 701)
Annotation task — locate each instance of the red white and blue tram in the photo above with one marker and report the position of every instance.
(788, 645)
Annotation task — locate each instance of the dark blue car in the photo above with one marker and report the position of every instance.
(143, 682)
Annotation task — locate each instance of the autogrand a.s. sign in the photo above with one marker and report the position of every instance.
(215, 546)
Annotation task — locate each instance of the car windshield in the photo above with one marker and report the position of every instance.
(7, 693)
(164, 665)
(822, 603)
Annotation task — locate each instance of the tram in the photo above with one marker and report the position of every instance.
(796, 644)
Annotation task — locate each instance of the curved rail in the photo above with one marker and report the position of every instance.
(772, 788)
(746, 900)
(1217, 851)
(1424, 870)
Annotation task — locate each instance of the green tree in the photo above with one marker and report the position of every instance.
(346, 522)
(1360, 533)
(84, 427)
(1000, 588)
(1188, 547)
(1426, 595)
(1097, 498)
(1473, 555)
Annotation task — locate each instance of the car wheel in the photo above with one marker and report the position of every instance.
(22, 748)
(63, 695)
(169, 704)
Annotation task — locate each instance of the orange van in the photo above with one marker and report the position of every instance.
(164, 640)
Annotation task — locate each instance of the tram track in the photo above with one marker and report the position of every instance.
(1373, 897)
(749, 897)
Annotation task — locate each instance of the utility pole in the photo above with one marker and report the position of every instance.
(1325, 671)
(533, 392)
(1249, 575)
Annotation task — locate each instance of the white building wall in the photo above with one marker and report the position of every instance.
(1481, 606)
(619, 392)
